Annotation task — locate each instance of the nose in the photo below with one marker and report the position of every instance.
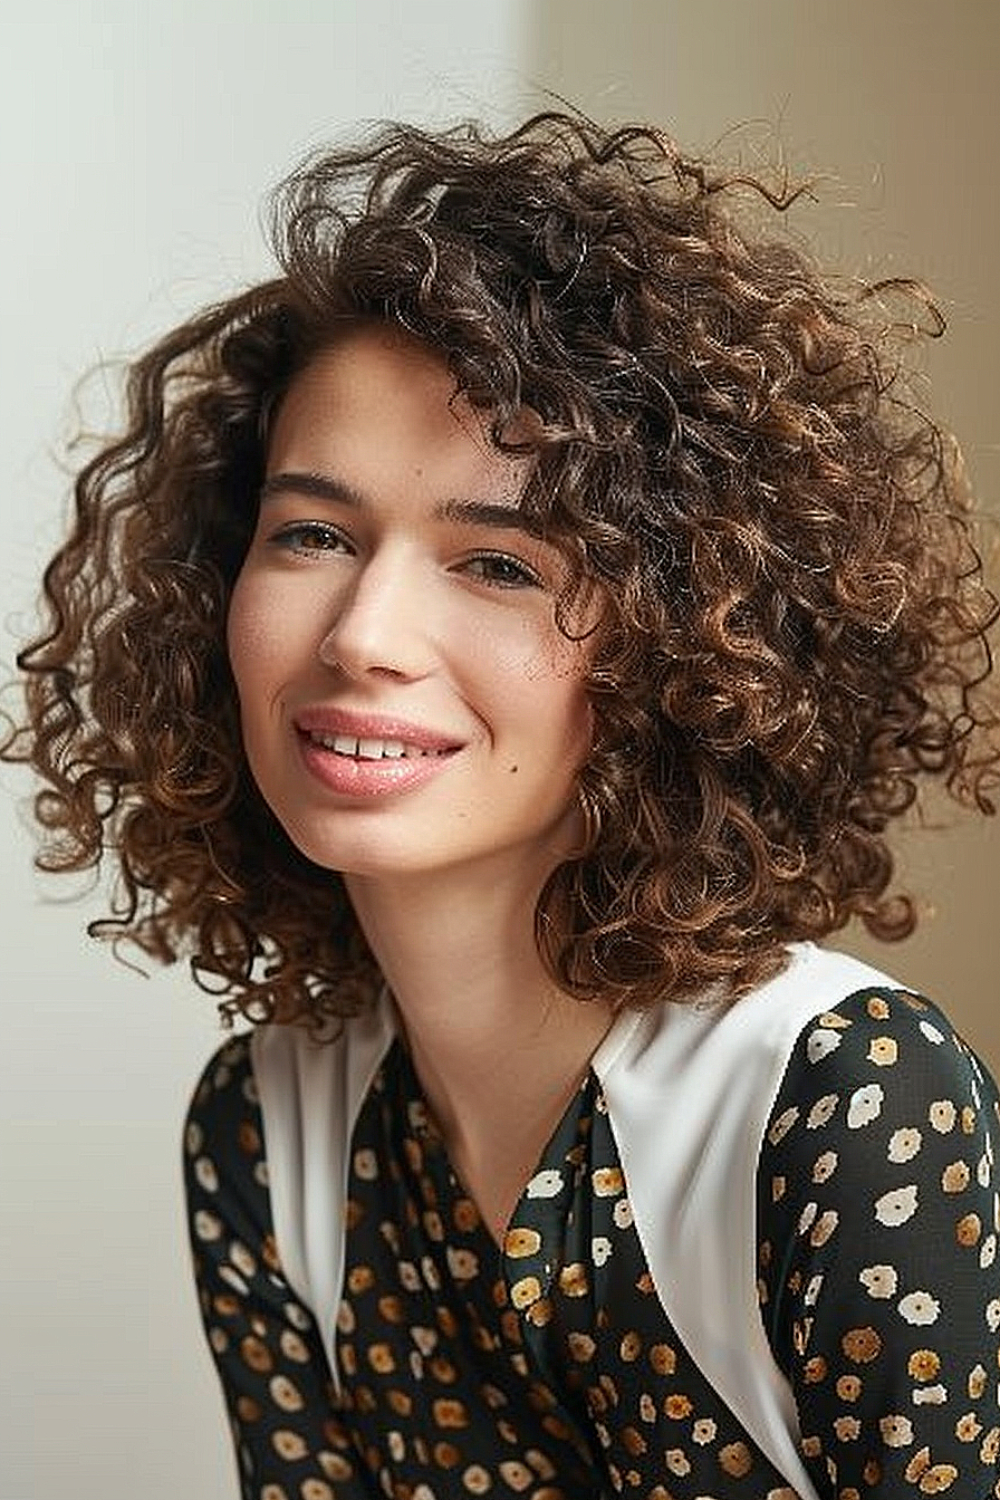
(379, 623)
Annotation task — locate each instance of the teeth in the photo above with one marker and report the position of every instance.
(370, 749)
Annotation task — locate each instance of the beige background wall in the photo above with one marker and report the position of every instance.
(896, 103)
(135, 144)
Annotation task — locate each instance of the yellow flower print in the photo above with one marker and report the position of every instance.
(937, 1479)
(677, 1407)
(968, 1120)
(528, 1290)
(516, 1475)
(814, 1370)
(848, 1429)
(822, 1112)
(861, 1345)
(878, 1008)
(581, 1347)
(824, 1166)
(607, 1181)
(991, 1446)
(825, 1227)
(663, 1359)
(977, 1382)
(923, 1364)
(572, 1280)
(289, 1445)
(941, 1115)
(849, 1387)
(735, 1459)
(968, 1230)
(956, 1177)
(449, 1413)
(630, 1347)
(896, 1430)
(782, 1125)
(883, 1052)
(968, 1428)
(316, 1489)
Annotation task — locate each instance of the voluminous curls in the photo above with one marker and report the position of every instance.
(795, 631)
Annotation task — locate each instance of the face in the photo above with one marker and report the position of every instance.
(409, 705)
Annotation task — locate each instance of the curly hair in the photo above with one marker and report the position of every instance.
(796, 628)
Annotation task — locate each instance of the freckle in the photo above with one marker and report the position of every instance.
(513, 770)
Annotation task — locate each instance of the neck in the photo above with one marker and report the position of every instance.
(498, 1047)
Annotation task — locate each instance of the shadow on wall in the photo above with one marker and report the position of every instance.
(892, 107)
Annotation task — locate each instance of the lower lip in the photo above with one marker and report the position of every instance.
(352, 776)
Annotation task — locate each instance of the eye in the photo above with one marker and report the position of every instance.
(310, 536)
(501, 570)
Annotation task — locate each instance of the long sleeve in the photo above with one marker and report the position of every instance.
(274, 1373)
(878, 1220)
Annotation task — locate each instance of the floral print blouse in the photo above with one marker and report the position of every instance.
(548, 1370)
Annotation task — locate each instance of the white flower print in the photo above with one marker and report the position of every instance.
(807, 1217)
(546, 1184)
(847, 1429)
(896, 1207)
(930, 1395)
(207, 1226)
(904, 1144)
(208, 1177)
(600, 1250)
(983, 1173)
(821, 1044)
(622, 1214)
(993, 1314)
(865, 1105)
(931, 1033)
(919, 1308)
(704, 1431)
(942, 1116)
(812, 1291)
(366, 1164)
(879, 1281)
(234, 1279)
(194, 1138)
(677, 1463)
(822, 1111)
(988, 1252)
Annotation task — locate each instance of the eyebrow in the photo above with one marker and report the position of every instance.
(466, 512)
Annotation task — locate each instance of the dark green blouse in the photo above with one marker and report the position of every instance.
(548, 1370)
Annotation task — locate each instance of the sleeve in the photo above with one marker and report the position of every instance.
(878, 1220)
(274, 1372)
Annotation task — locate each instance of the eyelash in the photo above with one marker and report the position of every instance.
(498, 569)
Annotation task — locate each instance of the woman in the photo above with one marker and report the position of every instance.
(497, 650)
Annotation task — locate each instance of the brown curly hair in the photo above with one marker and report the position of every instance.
(796, 627)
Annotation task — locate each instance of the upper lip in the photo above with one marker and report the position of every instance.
(367, 726)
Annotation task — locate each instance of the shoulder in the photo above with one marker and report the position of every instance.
(223, 1134)
(880, 1042)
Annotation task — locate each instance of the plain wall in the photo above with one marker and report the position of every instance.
(136, 145)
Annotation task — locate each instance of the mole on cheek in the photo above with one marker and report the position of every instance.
(513, 770)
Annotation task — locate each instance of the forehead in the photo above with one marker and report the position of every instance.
(378, 407)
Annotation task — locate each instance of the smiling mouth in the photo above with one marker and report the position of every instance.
(372, 749)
